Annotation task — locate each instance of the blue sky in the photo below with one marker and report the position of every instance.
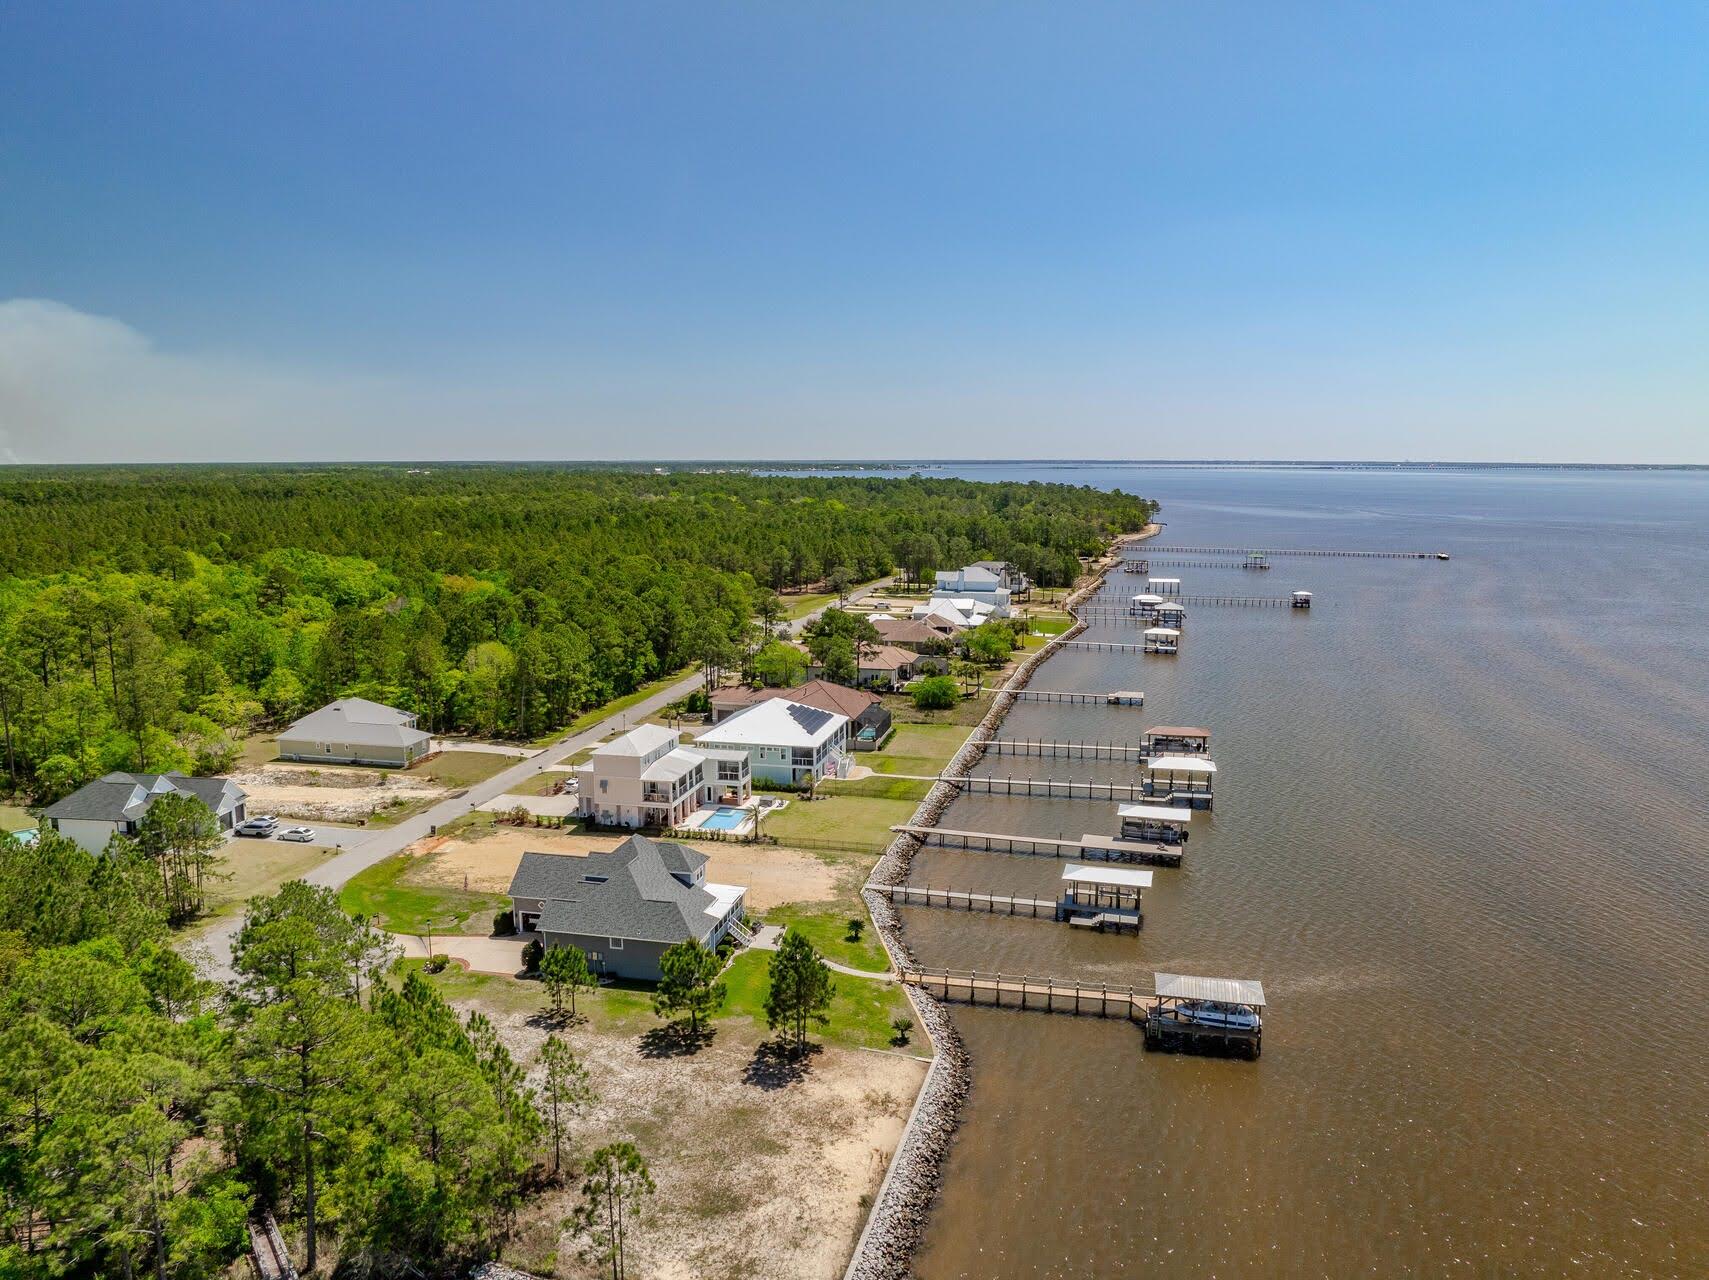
(804, 230)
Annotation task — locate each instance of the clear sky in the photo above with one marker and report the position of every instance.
(640, 230)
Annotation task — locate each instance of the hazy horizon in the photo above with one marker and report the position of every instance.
(271, 232)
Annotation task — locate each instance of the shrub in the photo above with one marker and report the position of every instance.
(936, 693)
(504, 924)
(857, 927)
(436, 962)
(531, 955)
(902, 1026)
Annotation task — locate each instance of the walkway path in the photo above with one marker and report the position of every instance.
(377, 844)
(768, 936)
(481, 955)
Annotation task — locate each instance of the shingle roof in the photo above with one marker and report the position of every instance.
(122, 797)
(906, 631)
(823, 694)
(630, 892)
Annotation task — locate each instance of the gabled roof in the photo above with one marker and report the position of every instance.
(852, 703)
(642, 740)
(886, 657)
(906, 631)
(631, 892)
(125, 797)
(776, 722)
(358, 722)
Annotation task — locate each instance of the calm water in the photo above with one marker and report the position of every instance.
(1461, 828)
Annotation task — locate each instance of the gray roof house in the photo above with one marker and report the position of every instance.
(626, 907)
(356, 731)
(116, 803)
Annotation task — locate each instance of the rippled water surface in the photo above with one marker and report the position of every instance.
(1461, 828)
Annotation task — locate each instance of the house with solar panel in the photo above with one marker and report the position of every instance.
(787, 743)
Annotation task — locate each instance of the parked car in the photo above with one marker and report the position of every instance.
(298, 835)
(259, 827)
(1208, 1013)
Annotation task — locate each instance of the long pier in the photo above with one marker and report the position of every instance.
(1051, 788)
(1045, 749)
(1108, 646)
(1297, 551)
(1089, 846)
(1107, 612)
(911, 895)
(1120, 698)
(1041, 995)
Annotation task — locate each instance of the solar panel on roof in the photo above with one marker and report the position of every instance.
(809, 718)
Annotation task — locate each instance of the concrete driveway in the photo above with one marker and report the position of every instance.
(482, 955)
(558, 806)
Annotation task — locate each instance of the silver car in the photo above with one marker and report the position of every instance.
(298, 835)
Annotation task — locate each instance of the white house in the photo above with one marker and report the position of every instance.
(356, 731)
(644, 778)
(978, 583)
(117, 803)
(961, 612)
(785, 742)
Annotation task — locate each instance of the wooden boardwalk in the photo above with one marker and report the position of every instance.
(1082, 697)
(1052, 788)
(1089, 847)
(1045, 748)
(912, 895)
(1324, 552)
(1040, 995)
(1108, 646)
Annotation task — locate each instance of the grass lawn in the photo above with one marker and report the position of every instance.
(884, 788)
(15, 818)
(827, 928)
(851, 822)
(385, 890)
(799, 606)
(260, 866)
(920, 749)
(860, 1011)
(1051, 624)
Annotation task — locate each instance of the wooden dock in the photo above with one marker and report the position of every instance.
(1107, 646)
(1323, 552)
(1163, 1030)
(267, 1247)
(912, 895)
(1049, 788)
(1082, 697)
(1089, 847)
(1043, 748)
(1107, 613)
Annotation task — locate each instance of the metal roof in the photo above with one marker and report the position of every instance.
(1161, 631)
(1178, 986)
(777, 722)
(1181, 764)
(1174, 731)
(1134, 877)
(1155, 813)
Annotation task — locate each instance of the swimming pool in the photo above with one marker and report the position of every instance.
(724, 818)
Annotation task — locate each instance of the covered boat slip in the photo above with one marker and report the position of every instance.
(1103, 898)
(1179, 780)
(1176, 740)
(1161, 640)
(1216, 1015)
(1164, 823)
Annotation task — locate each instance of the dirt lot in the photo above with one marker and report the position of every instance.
(759, 1171)
(772, 875)
(333, 794)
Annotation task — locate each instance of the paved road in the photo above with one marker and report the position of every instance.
(377, 844)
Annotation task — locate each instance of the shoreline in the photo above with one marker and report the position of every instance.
(896, 1223)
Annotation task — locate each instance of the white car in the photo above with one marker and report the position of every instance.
(1208, 1013)
(259, 827)
(298, 835)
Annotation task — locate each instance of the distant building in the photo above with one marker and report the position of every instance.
(1017, 582)
(960, 613)
(977, 583)
(625, 908)
(884, 664)
(869, 718)
(786, 742)
(915, 634)
(646, 778)
(356, 731)
(117, 803)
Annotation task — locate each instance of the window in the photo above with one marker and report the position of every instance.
(605, 784)
(616, 944)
